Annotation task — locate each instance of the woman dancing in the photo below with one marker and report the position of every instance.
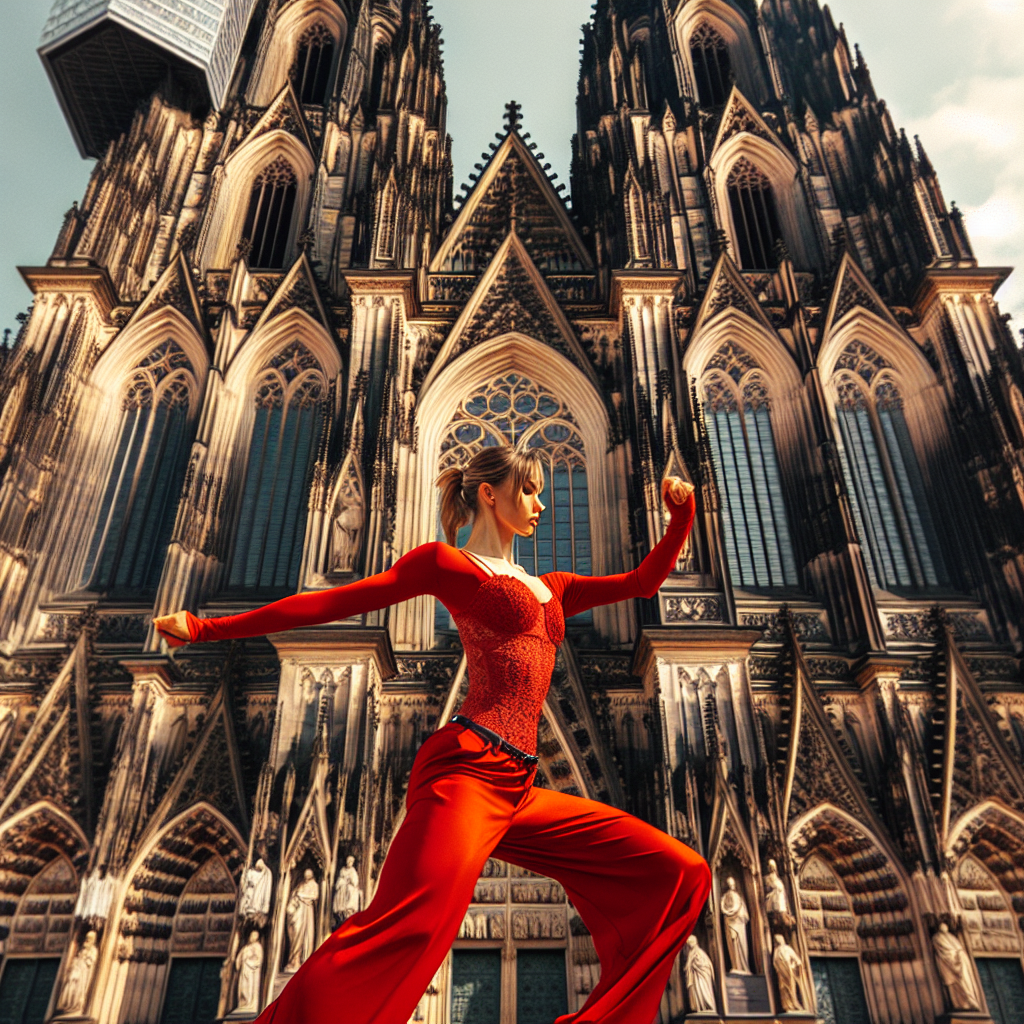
(471, 793)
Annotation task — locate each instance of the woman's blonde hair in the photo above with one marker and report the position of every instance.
(459, 487)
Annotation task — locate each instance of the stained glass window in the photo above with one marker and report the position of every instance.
(901, 546)
(289, 414)
(758, 543)
(268, 222)
(312, 67)
(711, 66)
(139, 503)
(512, 409)
(755, 217)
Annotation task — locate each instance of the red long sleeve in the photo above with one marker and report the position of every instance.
(432, 569)
(444, 573)
(580, 593)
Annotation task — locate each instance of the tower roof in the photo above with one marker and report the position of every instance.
(513, 192)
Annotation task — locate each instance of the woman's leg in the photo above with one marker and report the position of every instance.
(377, 965)
(638, 890)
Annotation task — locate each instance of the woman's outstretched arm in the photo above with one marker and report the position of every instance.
(417, 573)
(580, 593)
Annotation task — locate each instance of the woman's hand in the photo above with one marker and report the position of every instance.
(174, 629)
(675, 493)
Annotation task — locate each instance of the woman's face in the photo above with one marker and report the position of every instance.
(518, 509)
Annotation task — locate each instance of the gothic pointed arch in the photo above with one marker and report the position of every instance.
(296, 23)
(882, 463)
(703, 22)
(269, 175)
(43, 853)
(289, 401)
(736, 400)
(158, 403)
(440, 398)
(179, 894)
(758, 189)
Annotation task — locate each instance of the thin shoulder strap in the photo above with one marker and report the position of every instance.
(477, 562)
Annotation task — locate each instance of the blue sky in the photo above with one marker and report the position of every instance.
(951, 70)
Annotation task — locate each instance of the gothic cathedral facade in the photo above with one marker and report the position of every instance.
(268, 326)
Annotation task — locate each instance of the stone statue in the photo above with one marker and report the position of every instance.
(700, 978)
(789, 969)
(249, 964)
(76, 982)
(734, 910)
(301, 914)
(348, 899)
(95, 897)
(775, 900)
(955, 970)
(256, 889)
(345, 529)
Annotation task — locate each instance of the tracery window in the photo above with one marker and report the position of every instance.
(712, 67)
(737, 413)
(884, 476)
(139, 502)
(290, 403)
(312, 67)
(268, 222)
(755, 216)
(513, 409)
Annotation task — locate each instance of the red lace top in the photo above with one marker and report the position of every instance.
(509, 636)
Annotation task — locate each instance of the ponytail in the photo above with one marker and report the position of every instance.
(455, 510)
(491, 465)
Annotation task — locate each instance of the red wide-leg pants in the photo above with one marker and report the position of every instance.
(638, 891)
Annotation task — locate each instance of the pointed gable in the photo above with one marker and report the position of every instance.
(174, 288)
(298, 290)
(853, 290)
(741, 116)
(973, 762)
(284, 114)
(54, 760)
(813, 766)
(727, 289)
(513, 191)
(512, 298)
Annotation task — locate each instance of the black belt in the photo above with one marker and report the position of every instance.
(530, 760)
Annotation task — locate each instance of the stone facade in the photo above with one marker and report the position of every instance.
(269, 324)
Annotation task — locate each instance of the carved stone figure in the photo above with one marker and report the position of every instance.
(256, 890)
(76, 982)
(301, 913)
(700, 978)
(249, 964)
(775, 899)
(96, 895)
(955, 970)
(348, 899)
(345, 529)
(789, 969)
(736, 915)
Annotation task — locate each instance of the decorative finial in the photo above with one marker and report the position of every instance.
(513, 116)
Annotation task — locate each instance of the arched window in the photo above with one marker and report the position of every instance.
(712, 68)
(140, 499)
(758, 544)
(312, 67)
(755, 217)
(289, 399)
(381, 66)
(513, 409)
(884, 476)
(269, 220)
